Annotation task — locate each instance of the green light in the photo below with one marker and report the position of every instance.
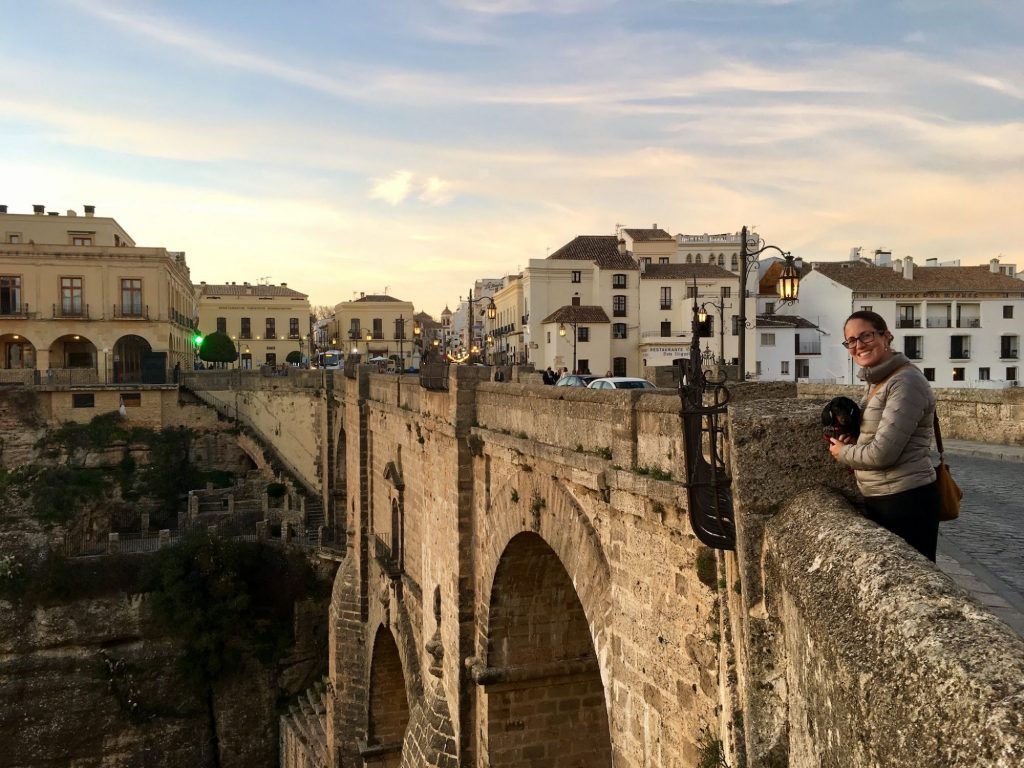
(197, 340)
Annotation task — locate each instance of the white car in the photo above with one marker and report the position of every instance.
(620, 382)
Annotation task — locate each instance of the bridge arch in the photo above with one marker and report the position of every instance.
(388, 705)
(544, 615)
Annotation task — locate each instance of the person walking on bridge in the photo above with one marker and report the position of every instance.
(891, 458)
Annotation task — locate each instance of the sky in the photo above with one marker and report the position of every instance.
(412, 146)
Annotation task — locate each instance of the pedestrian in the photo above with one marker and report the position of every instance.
(549, 376)
(891, 459)
(177, 371)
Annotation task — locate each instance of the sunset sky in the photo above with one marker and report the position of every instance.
(418, 144)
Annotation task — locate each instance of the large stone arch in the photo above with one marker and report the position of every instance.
(129, 353)
(544, 613)
(73, 350)
(388, 706)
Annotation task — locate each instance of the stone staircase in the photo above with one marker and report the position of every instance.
(314, 516)
(304, 730)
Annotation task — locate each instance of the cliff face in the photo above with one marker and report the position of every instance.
(91, 684)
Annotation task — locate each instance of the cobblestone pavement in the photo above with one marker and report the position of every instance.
(983, 550)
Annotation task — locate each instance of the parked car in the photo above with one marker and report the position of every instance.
(620, 382)
(575, 380)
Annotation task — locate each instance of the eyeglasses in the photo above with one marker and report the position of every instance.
(864, 339)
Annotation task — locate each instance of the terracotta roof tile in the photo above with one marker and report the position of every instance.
(648, 235)
(233, 289)
(783, 321)
(376, 297)
(577, 314)
(866, 278)
(685, 272)
(603, 250)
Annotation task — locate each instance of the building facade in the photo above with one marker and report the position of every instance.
(266, 322)
(81, 303)
(376, 325)
(960, 325)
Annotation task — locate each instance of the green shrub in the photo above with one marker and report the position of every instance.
(707, 567)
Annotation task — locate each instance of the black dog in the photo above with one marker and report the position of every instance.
(840, 416)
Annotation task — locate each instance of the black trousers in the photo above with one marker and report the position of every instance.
(912, 515)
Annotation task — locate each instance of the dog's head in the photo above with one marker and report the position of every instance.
(841, 416)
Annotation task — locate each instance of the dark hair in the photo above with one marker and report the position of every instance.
(876, 320)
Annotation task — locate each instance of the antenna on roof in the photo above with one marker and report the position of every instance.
(265, 280)
(385, 290)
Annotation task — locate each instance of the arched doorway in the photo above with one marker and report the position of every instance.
(130, 352)
(388, 714)
(17, 352)
(545, 701)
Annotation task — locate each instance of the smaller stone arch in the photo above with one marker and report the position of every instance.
(131, 355)
(73, 350)
(17, 352)
(388, 704)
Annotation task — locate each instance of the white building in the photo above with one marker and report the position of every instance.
(960, 325)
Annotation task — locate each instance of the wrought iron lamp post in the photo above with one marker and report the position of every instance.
(788, 285)
(491, 311)
(702, 316)
(575, 338)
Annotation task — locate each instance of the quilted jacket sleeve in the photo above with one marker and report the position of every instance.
(905, 403)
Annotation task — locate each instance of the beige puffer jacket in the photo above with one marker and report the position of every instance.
(892, 453)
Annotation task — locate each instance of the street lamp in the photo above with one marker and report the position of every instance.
(702, 316)
(575, 338)
(788, 285)
(491, 312)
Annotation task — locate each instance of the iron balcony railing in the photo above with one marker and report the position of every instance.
(17, 310)
(78, 311)
(908, 322)
(937, 322)
(127, 312)
(969, 322)
(808, 347)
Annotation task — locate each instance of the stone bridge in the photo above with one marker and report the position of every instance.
(521, 588)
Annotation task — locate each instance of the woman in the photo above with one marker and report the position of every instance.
(892, 456)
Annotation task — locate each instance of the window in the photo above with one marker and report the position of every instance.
(721, 259)
(1008, 347)
(767, 339)
(131, 399)
(645, 262)
(960, 347)
(271, 328)
(691, 291)
(929, 374)
(726, 292)
(867, 308)
(769, 307)
(577, 276)
(663, 259)
(10, 294)
(271, 358)
(222, 325)
(689, 258)
(549, 337)
(984, 374)
(293, 328)
(666, 327)
(785, 367)
(355, 331)
(803, 369)
(758, 371)
(81, 240)
(246, 332)
(618, 366)
(582, 366)
(735, 263)
(913, 347)
(958, 374)
(618, 330)
(1007, 312)
(1011, 373)
(378, 328)
(71, 295)
(14, 238)
(582, 333)
(618, 281)
(618, 306)
(696, 259)
(83, 400)
(666, 297)
(576, 300)
(735, 325)
(131, 297)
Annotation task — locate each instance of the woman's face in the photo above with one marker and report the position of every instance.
(868, 347)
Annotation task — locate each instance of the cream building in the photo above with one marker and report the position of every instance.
(266, 322)
(376, 325)
(81, 303)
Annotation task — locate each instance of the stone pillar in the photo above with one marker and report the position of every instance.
(164, 539)
(193, 505)
(265, 504)
(286, 502)
(231, 503)
(113, 543)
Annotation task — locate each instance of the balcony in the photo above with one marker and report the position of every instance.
(808, 347)
(128, 312)
(909, 322)
(969, 322)
(666, 303)
(78, 312)
(19, 311)
(937, 322)
(960, 354)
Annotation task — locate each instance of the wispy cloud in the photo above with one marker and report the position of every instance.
(393, 189)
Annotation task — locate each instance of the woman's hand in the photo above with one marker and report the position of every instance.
(835, 445)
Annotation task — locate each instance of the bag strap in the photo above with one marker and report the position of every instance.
(878, 385)
(938, 433)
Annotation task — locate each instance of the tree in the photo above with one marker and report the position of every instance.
(218, 348)
(294, 357)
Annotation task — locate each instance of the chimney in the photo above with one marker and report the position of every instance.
(908, 268)
(855, 253)
(38, 210)
(361, 294)
(993, 266)
(90, 210)
(284, 285)
(3, 209)
(622, 246)
(654, 225)
(932, 262)
(53, 213)
(897, 265)
(882, 257)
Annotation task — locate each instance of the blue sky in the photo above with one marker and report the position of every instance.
(352, 146)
